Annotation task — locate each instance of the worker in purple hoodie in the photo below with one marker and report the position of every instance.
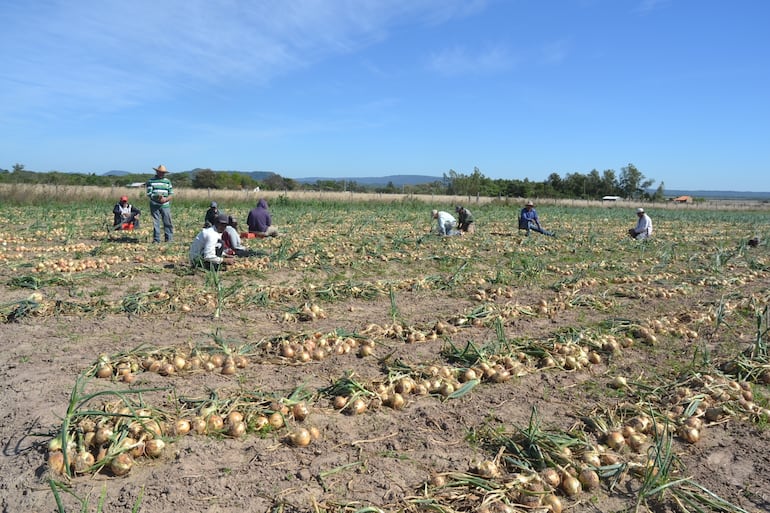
(260, 222)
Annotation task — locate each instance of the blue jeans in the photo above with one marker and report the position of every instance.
(535, 228)
(161, 214)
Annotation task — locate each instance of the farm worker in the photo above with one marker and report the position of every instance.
(211, 214)
(160, 190)
(206, 249)
(528, 220)
(465, 220)
(446, 222)
(643, 229)
(126, 215)
(260, 221)
(231, 240)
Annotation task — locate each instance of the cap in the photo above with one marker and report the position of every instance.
(640, 210)
(529, 204)
(223, 219)
(458, 208)
(434, 212)
(213, 204)
(232, 221)
(123, 198)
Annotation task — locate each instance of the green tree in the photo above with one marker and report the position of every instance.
(660, 193)
(205, 179)
(18, 168)
(609, 183)
(633, 183)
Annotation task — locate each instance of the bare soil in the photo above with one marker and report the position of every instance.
(383, 458)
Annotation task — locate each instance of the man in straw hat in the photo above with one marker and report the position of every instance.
(528, 220)
(160, 191)
(643, 229)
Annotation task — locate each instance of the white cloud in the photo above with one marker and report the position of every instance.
(106, 54)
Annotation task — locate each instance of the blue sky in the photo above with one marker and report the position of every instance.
(353, 88)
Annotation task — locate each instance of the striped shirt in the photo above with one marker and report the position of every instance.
(157, 188)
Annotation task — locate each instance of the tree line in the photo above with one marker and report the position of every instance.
(630, 182)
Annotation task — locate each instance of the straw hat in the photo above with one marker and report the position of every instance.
(161, 169)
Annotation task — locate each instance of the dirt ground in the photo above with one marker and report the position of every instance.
(383, 458)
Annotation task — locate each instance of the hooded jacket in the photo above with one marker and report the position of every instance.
(259, 218)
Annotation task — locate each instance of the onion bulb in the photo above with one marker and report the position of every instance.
(83, 461)
(619, 382)
(182, 427)
(570, 485)
(104, 371)
(615, 440)
(339, 402)
(234, 417)
(199, 425)
(437, 480)
(553, 503)
(551, 477)
(592, 458)
(214, 423)
(154, 448)
(121, 464)
(261, 422)
(694, 422)
(300, 437)
(236, 429)
(589, 479)
(276, 420)
(397, 401)
(55, 444)
(56, 462)
(488, 468)
(689, 434)
(357, 406)
(103, 434)
(300, 411)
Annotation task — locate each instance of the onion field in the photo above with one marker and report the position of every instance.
(360, 363)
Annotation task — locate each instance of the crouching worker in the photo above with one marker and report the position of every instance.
(231, 240)
(126, 215)
(260, 221)
(207, 248)
(445, 222)
(643, 228)
(465, 220)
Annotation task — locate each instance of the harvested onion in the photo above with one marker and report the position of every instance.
(570, 485)
(121, 464)
(553, 503)
(589, 479)
(236, 429)
(300, 411)
(300, 437)
(154, 448)
(56, 462)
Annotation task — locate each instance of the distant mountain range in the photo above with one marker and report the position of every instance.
(734, 195)
(401, 180)
(396, 180)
